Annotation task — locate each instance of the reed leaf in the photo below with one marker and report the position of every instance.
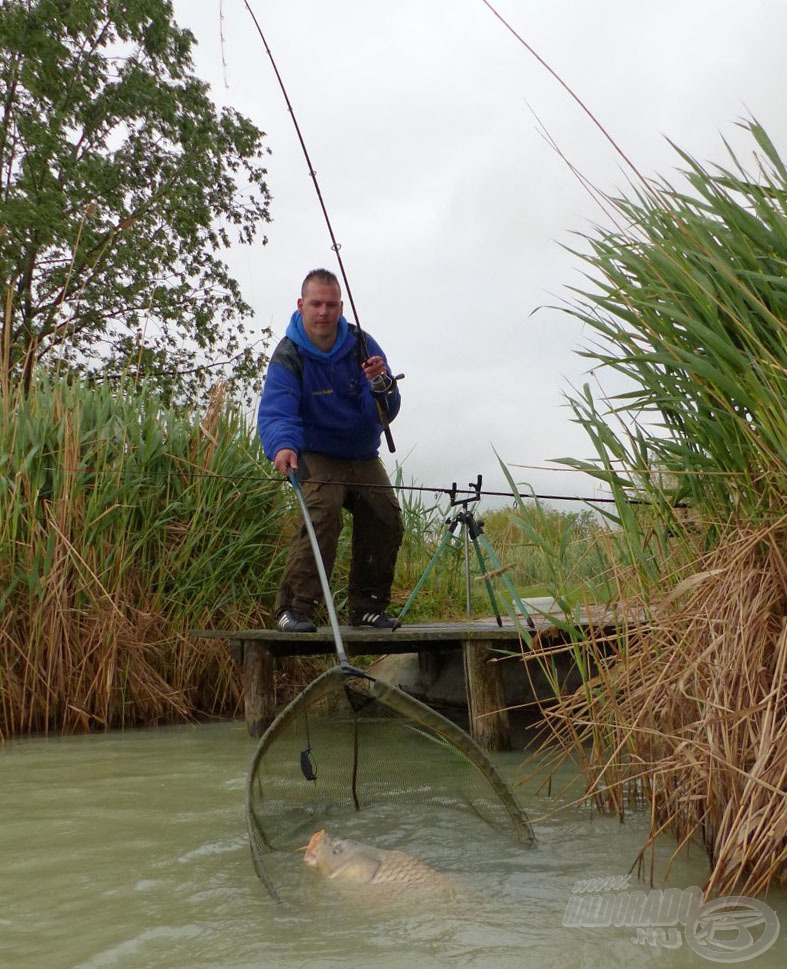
(123, 525)
(688, 707)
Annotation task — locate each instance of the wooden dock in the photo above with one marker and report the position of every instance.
(479, 641)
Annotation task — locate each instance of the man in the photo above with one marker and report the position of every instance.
(318, 416)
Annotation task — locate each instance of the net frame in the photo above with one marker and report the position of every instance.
(336, 682)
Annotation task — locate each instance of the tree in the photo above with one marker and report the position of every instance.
(120, 185)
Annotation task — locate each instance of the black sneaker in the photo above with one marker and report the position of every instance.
(291, 621)
(377, 620)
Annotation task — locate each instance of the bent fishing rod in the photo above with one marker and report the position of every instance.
(383, 384)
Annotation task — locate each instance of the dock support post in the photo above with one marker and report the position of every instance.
(259, 697)
(489, 722)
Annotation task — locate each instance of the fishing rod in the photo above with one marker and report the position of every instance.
(476, 492)
(570, 91)
(383, 384)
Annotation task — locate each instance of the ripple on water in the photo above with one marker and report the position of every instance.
(129, 851)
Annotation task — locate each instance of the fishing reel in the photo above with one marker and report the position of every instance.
(383, 385)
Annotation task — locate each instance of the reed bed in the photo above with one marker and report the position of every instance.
(123, 525)
(684, 709)
(686, 712)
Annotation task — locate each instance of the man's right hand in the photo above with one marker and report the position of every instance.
(285, 460)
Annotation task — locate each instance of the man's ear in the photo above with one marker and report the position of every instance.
(299, 304)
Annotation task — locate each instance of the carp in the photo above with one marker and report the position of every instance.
(360, 864)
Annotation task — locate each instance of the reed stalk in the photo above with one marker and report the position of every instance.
(685, 708)
(123, 525)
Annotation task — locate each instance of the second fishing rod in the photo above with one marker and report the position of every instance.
(383, 384)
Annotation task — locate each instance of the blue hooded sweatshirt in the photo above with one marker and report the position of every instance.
(315, 400)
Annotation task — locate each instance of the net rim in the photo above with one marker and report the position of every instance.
(407, 705)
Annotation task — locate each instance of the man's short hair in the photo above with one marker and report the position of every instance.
(324, 276)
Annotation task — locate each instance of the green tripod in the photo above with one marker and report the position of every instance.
(473, 531)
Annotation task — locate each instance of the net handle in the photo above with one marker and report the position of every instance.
(326, 589)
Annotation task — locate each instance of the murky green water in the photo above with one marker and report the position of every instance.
(129, 851)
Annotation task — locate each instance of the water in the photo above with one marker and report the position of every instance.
(129, 851)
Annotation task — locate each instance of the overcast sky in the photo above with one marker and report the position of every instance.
(420, 117)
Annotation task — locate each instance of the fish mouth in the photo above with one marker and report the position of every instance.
(310, 850)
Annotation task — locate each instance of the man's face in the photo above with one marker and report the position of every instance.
(321, 307)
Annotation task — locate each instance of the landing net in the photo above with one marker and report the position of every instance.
(350, 744)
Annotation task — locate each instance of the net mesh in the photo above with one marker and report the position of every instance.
(350, 744)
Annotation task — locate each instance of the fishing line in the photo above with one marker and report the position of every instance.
(568, 89)
(336, 246)
(426, 489)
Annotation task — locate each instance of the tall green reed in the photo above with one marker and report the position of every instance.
(123, 525)
(687, 303)
(689, 306)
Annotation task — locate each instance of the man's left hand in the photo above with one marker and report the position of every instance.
(373, 367)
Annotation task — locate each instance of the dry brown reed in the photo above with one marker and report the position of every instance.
(687, 713)
(687, 710)
(123, 526)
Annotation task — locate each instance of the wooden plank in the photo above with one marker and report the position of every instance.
(365, 641)
(489, 722)
(479, 628)
(259, 649)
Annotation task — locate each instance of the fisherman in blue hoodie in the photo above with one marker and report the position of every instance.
(317, 416)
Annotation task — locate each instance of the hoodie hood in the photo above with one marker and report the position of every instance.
(297, 333)
(314, 401)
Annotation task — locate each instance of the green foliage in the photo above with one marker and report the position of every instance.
(552, 553)
(443, 595)
(545, 552)
(121, 185)
(689, 305)
(123, 525)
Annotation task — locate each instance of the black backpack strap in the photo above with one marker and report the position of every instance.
(286, 354)
(359, 344)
